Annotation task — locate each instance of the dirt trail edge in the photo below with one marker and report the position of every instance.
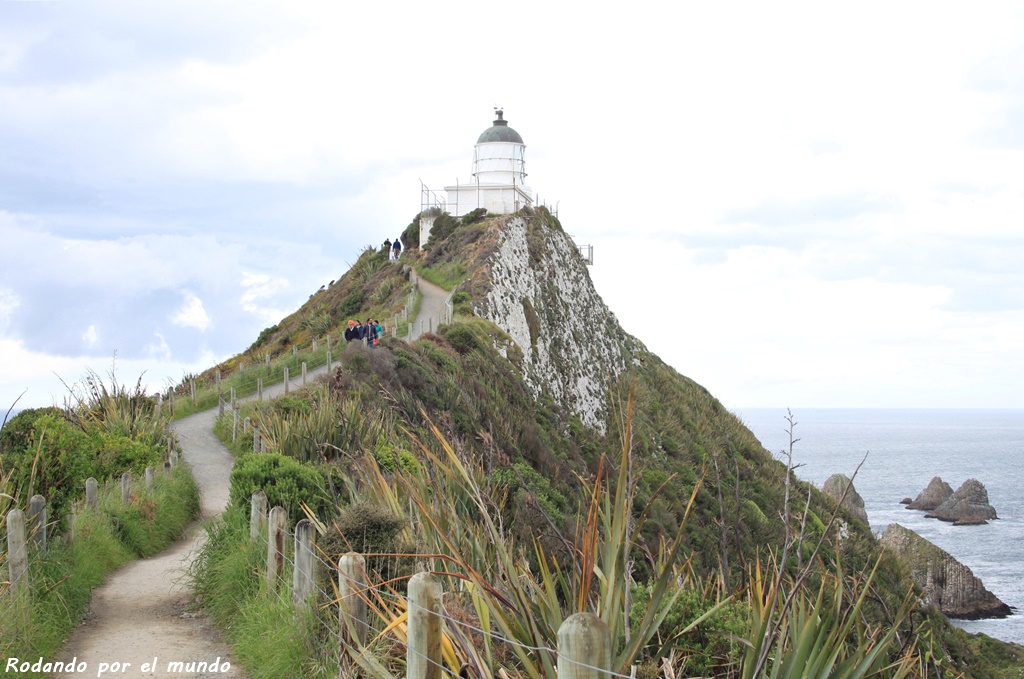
(139, 615)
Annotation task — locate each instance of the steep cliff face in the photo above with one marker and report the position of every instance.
(947, 583)
(541, 294)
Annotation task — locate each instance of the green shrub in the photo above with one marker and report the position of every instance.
(372, 530)
(411, 235)
(287, 482)
(352, 305)
(461, 338)
(474, 216)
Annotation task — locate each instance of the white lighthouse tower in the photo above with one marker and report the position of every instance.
(498, 183)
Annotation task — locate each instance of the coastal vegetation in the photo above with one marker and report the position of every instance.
(106, 430)
(470, 472)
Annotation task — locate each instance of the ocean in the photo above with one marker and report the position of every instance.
(904, 449)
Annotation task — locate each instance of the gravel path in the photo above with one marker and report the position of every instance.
(140, 612)
(432, 307)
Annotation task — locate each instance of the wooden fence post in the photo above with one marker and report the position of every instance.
(17, 552)
(286, 379)
(233, 404)
(91, 501)
(267, 360)
(314, 346)
(295, 350)
(149, 478)
(37, 521)
(126, 488)
(216, 378)
(241, 368)
(351, 601)
(328, 358)
(257, 514)
(303, 373)
(278, 526)
(192, 388)
(220, 404)
(174, 458)
(302, 575)
(259, 388)
(584, 648)
(255, 438)
(328, 343)
(423, 654)
(234, 423)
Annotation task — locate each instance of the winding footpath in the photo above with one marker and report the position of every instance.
(140, 613)
(138, 621)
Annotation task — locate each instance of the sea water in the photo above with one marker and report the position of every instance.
(901, 451)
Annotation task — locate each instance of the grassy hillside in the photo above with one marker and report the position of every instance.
(457, 397)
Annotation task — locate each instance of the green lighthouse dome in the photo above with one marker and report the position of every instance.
(499, 131)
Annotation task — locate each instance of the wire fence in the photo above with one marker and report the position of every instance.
(289, 367)
(27, 534)
(352, 594)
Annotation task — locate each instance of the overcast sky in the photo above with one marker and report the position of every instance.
(793, 204)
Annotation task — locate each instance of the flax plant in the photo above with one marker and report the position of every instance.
(819, 635)
(116, 408)
(455, 518)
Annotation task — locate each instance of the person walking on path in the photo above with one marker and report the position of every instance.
(397, 248)
(369, 332)
(387, 248)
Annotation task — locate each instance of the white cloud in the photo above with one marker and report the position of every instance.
(90, 336)
(259, 287)
(192, 314)
(8, 303)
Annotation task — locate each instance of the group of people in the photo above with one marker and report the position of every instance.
(393, 250)
(370, 332)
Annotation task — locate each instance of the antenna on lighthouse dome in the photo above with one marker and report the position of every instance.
(499, 112)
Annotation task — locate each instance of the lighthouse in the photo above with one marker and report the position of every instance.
(498, 181)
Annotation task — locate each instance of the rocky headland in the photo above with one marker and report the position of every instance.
(836, 485)
(947, 583)
(968, 506)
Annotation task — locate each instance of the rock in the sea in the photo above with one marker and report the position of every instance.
(937, 492)
(947, 583)
(906, 501)
(967, 506)
(836, 485)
